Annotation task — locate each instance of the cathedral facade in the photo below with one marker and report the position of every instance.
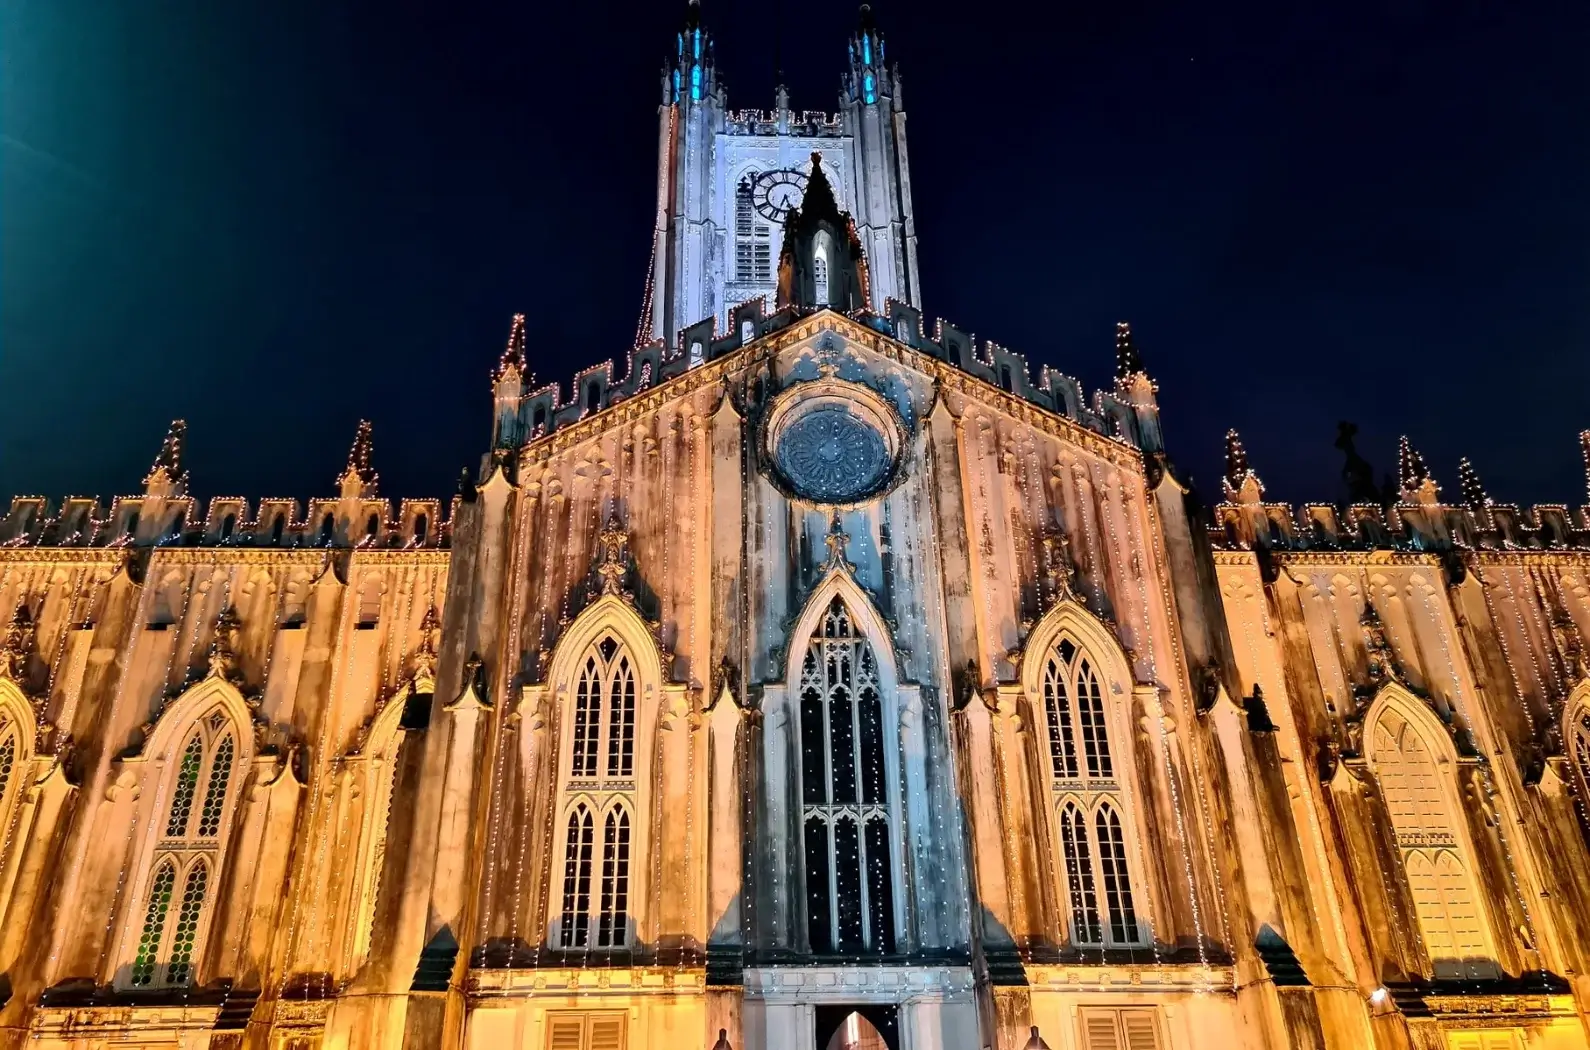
(823, 681)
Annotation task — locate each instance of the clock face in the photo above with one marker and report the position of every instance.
(775, 192)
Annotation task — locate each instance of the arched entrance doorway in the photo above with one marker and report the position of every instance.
(858, 1028)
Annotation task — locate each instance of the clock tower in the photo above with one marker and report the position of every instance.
(726, 179)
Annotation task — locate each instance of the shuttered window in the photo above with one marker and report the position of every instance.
(1116, 1029)
(599, 1030)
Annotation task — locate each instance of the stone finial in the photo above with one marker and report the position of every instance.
(358, 478)
(837, 539)
(613, 563)
(1061, 572)
(168, 477)
(223, 648)
(1128, 362)
(1413, 477)
(17, 644)
(1381, 658)
(423, 663)
(1242, 484)
(513, 355)
(1035, 1041)
(1474, 494)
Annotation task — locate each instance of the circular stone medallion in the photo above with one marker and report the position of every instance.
(831, 454)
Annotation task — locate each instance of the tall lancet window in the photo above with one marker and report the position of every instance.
(847, 820)
(1579, 733)
(599, 798)
(1089, 811)
(178, 898)
(1418, 795)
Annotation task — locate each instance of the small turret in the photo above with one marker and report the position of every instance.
(1413, 477)
(1242, 484)
(359, 480)
(167, 478)
(821, 263)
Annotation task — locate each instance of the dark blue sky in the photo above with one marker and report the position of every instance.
(275, 218)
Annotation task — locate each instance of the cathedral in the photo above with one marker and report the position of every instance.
(812, 678)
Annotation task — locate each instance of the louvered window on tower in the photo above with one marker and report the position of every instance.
(1113, 1029)
(753, 239)
(599, 792)
(1089, 808)
(847, 821)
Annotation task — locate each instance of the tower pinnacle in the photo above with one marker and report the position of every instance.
(1474, 493)
(168, 477)
(1128, 362)
(1413, 477)
(1242, 484)
(359, 478)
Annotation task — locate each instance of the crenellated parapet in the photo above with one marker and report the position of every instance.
(164, 515)
(1127, 412)
(809, 123)
(1413, 519)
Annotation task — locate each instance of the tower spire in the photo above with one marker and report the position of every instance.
(690, 73)
(168, 477)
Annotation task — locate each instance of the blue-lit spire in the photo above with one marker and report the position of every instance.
(869, 77)
(690, 71)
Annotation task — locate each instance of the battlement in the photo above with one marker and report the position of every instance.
(1413, 519)
(809, 123)
(164, 515)
(1129, 413)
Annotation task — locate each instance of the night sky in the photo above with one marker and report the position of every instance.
(276, 218)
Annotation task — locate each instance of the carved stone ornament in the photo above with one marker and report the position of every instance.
(18, 644)
(422, 663)
(613, 562)
(223, 650)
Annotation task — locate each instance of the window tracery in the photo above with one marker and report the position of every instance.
(1433, 849)
(847, 821)
(187, 851)
(1098, 894)
(599, 791)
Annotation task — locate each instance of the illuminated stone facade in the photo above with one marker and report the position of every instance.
(821, 681)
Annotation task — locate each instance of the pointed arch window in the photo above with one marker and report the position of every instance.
(1417, 795)
(599, 795)
(1101, 910)
(178, 899)
(848, 823)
